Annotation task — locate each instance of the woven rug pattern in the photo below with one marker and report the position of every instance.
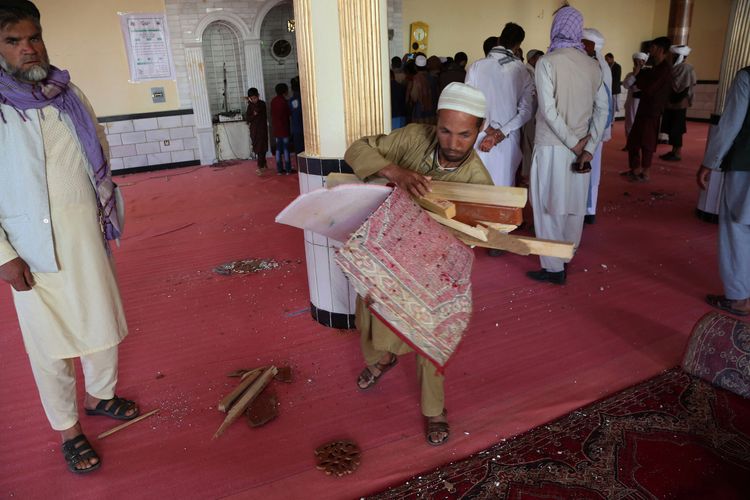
(719, 352)
(415, 274)
(674, 436)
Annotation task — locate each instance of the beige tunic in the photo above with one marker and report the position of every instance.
(411, 147)
(76, 311)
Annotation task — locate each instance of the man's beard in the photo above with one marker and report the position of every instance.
(36, 73)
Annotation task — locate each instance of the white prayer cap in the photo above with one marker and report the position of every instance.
(595, 36)
(681, 50)
(465, 98)
(443, 59)
(420, 61)
(640, 55)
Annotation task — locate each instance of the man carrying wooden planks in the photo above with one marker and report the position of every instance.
(410, 158)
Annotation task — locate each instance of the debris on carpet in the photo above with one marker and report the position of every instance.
(246, 266)
(338, 457)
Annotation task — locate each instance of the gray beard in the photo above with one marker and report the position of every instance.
(36, 73)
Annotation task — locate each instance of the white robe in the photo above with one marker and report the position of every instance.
(572, 103)
(77, 310)
(509, 90)
(631, 102)
(596, 162)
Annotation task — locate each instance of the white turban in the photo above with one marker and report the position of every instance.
(595, 36)
(420, 61)
(682, 51)
(465, 98)
(640, 55)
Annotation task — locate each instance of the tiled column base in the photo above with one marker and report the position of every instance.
(332, 300)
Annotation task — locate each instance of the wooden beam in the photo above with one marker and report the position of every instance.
(247, 379)
(521, 245)
(503, 228)
(452, 191)
(241, 405)
(443, 208)
(472, 213)
(474, 232)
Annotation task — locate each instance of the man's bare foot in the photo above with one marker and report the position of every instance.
(372, 373)
(88, 458)
(438, 429)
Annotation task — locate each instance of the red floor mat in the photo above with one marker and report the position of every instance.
(533, 351)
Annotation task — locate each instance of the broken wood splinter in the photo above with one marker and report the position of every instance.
(126, 424)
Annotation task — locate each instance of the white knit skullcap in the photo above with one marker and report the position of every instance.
(420, 61)
(640, 55)
(595, 36)
(682, 50)
(465, 98)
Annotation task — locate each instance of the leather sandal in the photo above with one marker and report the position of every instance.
(77, 451)
(434, 427)
(116, 408)
(725, 304)
(368, 378)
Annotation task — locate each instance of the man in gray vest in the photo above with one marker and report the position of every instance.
(729, 150)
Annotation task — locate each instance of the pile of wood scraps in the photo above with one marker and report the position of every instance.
(253, 396)
(478, 215)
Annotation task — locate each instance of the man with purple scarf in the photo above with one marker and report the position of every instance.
(570, 121)
(58, 208)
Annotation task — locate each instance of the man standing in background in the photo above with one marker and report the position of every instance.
(673, 122)
(616, 71)
(280, 128)
(634, 95)
(256, 118)
(572, 115)
(509, 90)
(528, 130)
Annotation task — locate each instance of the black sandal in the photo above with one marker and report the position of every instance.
(78, 450)
(369, 378)
(433, 427)
(116, 408)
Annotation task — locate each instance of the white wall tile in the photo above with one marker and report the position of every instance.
(169, 121)
(135, 161)
(186, 155)
(116, 163)
(175, 145)
(147, 148)
(133, 137)
(122, 151)
(120, 127)
(312, 281)
(157, 135)
(188, 120)
(322, 273)
(114, 140)
(159, 158)
(181, 133)
(145, 124)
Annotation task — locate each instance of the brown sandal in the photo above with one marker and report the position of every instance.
(369, 378)
(433, 427)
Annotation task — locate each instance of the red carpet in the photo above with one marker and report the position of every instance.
(533, 352)
(673, 436)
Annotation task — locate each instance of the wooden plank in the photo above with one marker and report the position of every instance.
(127, 424)
(443, 208)
(472, 213)
(503, 228)
(521, 245)
(241, 405)
(452, 191)
(247, 379)
(475, 232)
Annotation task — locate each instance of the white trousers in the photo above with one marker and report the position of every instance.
(596, 175)
(56, 382)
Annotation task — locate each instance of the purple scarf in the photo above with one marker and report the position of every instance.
(567, 30)
(54, 91)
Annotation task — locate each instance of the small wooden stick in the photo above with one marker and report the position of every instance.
(247, 380)
(247, 398)
(126, 424)
(443, 208)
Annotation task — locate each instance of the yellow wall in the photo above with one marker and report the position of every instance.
(464, 26)
(84, 37)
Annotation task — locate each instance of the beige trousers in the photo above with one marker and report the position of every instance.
(56, 382)
(376, 340)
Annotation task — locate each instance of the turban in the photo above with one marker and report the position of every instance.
(465, 98)
(640, 55)
(593, 35)
(20, 6)
(533, 53)
(566, 31)
(420, 61)
(682, 51)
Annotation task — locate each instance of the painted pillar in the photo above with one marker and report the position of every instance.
(204, 130)
(254, 67)
(342, 50)
(680, 16)
(736, 57)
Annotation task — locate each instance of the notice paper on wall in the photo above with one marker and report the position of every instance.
(147, 45)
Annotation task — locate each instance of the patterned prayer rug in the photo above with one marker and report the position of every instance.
(415, 274)
(674, 436)
(719, 352)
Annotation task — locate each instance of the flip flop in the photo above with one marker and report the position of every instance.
(116, 408)
(725, 304)
(78, 450)
(369, 378)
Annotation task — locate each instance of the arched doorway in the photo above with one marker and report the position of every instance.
(278, 48)
(224, 66)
